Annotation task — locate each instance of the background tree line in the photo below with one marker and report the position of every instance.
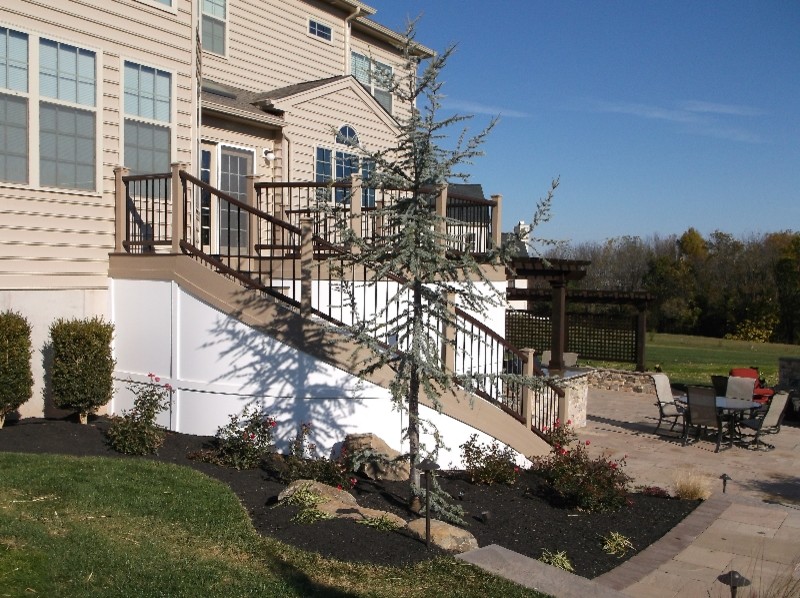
(718, 286)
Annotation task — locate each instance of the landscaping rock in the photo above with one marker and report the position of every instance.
(347, 511)
(328, 492)
(445, 536)
(385, 468)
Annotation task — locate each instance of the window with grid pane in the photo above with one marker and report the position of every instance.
(375, 76)
(148, 95)
(13, 60)
(66, 73)
(213, 33)
(319, 30)
(67, 147)
(13, 109)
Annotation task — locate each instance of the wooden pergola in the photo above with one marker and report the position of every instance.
(558, 273)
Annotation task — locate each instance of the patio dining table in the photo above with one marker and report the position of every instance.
(733, 407)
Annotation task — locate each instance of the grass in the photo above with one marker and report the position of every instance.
(132, 527)
(693, 359)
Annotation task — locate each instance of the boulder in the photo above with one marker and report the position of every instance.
(329, 493)
(445, 536)
(385, 466)
(346, 511)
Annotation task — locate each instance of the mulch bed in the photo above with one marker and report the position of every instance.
(513, 517)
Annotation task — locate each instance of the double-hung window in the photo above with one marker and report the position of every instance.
(13, 106)
(148, 100)
(375, 76)
(214, 19)
(67, 116)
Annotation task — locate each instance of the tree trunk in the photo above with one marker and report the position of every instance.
(83, 417)
(413, 393)
(2, 420)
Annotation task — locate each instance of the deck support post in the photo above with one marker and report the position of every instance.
(254, 238)
(178, 207)
(441, 211)
(355, 210)
(449, 335)
(306, 264)
(497, 224)
(528, 394)
(121, 206)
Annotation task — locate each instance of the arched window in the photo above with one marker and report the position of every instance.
(347, 136)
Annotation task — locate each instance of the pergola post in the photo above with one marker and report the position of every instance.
(559, 322)
(641, 332)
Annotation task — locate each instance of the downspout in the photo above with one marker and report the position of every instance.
(347, 28)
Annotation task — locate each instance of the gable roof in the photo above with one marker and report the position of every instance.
(269, 107)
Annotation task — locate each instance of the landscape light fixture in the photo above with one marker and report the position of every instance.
(735, 580)
(428, 467)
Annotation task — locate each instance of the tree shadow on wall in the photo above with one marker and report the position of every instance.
(282, 366)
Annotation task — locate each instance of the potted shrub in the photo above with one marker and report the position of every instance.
(16, 379)
(82, 364)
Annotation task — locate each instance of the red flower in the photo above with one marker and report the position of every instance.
(516, 469)
(157, 379)
(273, 423)
(353, 482)
(339, 486)
(569, 422)
(588, 443)
(613, 465)
(252, 436)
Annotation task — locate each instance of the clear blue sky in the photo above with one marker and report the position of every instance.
(657, 115)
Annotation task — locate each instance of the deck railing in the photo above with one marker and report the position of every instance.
(287, 252)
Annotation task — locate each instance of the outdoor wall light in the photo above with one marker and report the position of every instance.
(268, 154)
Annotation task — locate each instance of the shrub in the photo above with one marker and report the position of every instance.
(82, 364)
(573, 480)
(243, 443)
(303, 463)
(135, 432)
(489, 464)
(441, 503)
(16, 379)
(692, 485)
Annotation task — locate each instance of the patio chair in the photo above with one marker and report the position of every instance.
(668, 407)
(740, 388)
(702, 413)
(761, 393)
(767, 420)
(720, 384)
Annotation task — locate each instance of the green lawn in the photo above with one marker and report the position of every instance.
(693, 359)
(107, 527)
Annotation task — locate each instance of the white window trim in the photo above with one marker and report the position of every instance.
(34, 100)
(173, 113)
(317, 37)
(172, 8)
(225, 22)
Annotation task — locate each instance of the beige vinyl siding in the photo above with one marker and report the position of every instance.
(60, 239)
(269, 47)
(314, 121)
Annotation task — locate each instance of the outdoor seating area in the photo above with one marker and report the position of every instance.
(736, 408)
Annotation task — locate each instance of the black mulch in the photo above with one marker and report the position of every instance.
(516, 518)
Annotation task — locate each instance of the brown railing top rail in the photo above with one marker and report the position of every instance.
(349, 184)
(146, 177)
(239, 204)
